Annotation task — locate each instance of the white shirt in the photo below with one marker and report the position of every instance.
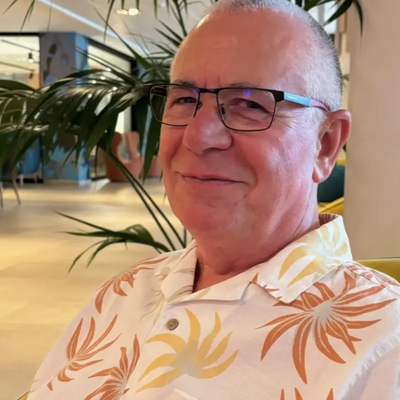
(309, 324)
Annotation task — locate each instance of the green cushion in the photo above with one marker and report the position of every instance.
(333, 187)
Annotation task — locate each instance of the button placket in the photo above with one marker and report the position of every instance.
(172, 324)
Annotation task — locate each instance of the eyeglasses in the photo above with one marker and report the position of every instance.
(241, 109)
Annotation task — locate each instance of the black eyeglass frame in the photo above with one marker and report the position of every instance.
(278, 95)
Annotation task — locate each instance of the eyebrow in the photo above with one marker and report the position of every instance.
(184, 82)
(233, 85)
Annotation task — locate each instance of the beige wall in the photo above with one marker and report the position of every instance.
(372, 192)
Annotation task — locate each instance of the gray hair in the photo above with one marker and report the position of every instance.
(321, 66)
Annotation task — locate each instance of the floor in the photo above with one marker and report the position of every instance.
(38, 297)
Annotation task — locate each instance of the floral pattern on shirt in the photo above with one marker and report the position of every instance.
(191, 357)
(116, 283)
(115, 386)
(298, 396)
(330, 243)
(375, 276)
(216, 355)
(327, 315)
(81, 356)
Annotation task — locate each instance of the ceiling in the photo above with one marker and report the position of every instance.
(85, 17)
(19, 55)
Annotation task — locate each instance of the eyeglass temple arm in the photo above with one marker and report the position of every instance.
(294, 98)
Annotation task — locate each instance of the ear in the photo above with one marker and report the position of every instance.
(332, 137)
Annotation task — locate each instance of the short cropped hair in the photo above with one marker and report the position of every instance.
(322, 66)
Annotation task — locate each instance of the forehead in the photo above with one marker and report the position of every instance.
(260, 48)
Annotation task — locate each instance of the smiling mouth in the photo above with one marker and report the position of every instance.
(211, 179)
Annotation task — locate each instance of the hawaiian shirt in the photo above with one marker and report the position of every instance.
(309, 324)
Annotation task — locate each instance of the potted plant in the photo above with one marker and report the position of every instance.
(69, 105)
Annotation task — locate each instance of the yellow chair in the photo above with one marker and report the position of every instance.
(336, 207)
(341, 161)
(389, 266)
(24, 397)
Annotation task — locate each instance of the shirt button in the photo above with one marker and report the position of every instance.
(172, 324)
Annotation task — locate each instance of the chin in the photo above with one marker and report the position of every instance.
(205, 220)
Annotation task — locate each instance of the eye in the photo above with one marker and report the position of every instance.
(246, 105)
(184, 100)
(252, 104)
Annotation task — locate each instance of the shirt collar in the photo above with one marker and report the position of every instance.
(304, 262)
(285, 276)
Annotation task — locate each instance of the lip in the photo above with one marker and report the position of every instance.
(206, 178)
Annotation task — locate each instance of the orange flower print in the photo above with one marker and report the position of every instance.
(299, 397)
(115, 387)
(255, 281)
(328, 315)
(374, 276)
(116, 283)
(80, 357)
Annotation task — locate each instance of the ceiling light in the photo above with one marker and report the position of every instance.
(133, 11)
(114, 88)
(103, 78)
(93, 82)
(90, 95)
(122, 11)
(30, 57)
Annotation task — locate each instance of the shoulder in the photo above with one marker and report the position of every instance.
(146, 272)
(367, 302)
(370, 276)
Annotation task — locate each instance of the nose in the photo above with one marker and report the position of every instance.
(206, 131)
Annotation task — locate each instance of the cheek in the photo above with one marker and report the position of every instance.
(170, 141)
(280, 161)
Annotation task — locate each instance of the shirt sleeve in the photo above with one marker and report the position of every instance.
(381, 382)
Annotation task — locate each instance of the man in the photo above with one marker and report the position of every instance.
(266, 303)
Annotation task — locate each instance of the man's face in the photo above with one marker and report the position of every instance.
(218, 179)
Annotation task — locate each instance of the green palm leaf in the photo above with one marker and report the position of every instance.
(342, 9)
(137, 234)
(71, 113)
(153, 141)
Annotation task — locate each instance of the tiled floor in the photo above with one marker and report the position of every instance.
(37, 295)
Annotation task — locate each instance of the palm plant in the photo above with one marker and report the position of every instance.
(69, 108)
(341, 6)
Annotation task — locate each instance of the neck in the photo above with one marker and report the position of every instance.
(221, 257)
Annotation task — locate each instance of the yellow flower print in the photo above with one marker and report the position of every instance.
(191, 357)
(326, 245)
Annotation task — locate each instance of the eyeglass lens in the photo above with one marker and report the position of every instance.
(240, 109)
